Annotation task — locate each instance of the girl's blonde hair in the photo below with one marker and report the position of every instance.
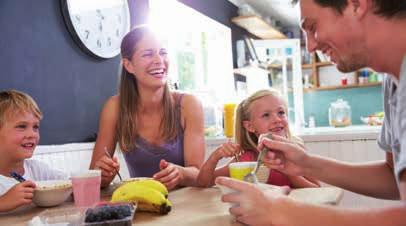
(246, 139)
(129, 97)
(13, 102)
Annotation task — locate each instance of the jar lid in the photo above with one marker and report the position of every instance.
(340, 103)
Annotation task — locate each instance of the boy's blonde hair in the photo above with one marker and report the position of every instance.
(246, 139)
(13, 102)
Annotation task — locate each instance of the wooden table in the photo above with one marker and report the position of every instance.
(191, 206)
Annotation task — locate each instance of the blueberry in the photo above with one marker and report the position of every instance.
(104, 215)
(98, 218)
(88, 211)
(124, 211)
(90, 217)
(120, 216)
(114, 215)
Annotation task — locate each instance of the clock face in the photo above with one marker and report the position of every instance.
(97, 26)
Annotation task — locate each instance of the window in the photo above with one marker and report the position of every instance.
(200, 50)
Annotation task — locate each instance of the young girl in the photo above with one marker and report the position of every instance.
(263, 112)
(159, 131)
(19, 135)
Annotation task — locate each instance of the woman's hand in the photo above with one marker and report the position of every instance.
(109, 168)
(19, 195)
(285, 155)
(170, 174)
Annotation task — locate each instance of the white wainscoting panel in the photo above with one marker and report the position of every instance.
(352, 151)
(73, 157)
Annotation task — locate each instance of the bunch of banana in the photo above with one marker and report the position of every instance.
(149, 194)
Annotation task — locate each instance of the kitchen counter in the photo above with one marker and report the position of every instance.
(319, 134)
(358, 132)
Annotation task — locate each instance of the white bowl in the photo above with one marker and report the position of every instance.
(52, 192)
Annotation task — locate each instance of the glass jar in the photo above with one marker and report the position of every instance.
(213, 114)
(339, 113)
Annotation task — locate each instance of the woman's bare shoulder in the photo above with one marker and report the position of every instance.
(112, 101)
(188, 100)
(111, 106)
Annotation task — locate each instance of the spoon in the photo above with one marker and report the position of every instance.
(17, 176)
(111, 157)
(252, 177)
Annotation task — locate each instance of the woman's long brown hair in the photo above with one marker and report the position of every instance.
(129, 99)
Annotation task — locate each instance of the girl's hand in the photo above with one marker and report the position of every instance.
(109, 168)
(170, 174)
(19, 195)
(227, 150)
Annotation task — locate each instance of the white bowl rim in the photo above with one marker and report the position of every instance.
(86, 174)
(242, 164)
(46, 185)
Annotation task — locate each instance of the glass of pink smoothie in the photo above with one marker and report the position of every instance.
(86, 187)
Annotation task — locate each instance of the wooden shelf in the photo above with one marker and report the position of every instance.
(307, 66)
(258, 27)
(343, 87)
(323, 64)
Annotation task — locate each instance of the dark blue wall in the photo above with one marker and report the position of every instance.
(38, 56)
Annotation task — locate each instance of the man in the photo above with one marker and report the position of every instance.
(355, 34)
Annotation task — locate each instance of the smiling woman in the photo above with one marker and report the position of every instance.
(159, 131)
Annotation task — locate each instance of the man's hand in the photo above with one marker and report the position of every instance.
(253, 206)
(285, 155)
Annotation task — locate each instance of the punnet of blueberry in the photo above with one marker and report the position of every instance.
(107, 212)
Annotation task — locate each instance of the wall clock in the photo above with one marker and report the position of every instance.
(97, 26)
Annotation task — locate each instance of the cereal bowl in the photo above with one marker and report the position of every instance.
(51, 192)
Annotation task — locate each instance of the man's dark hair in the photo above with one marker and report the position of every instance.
(385, 8)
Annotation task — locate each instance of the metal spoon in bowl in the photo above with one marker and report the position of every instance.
(252, 177)
(111, 157)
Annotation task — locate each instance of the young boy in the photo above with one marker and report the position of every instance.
(19, 135)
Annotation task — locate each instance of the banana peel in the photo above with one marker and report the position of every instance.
(146, 195)
(151, 183)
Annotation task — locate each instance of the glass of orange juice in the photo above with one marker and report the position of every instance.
(229, 114)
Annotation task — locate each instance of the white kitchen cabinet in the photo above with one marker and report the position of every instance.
(351, 151)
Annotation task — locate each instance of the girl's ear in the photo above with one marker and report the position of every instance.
(128, 65)
(248, 126)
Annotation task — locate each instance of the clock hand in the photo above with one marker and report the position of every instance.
(98, 11)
